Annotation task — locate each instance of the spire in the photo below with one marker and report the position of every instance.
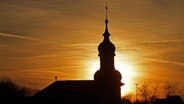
(106, 33)
(106, 49)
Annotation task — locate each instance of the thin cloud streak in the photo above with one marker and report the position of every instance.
(82, 45)
(167, 61)
(163, 41)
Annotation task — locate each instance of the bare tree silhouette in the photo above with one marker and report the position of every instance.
(172, 89)
(144, 91)
(8, 88)
(148, 92)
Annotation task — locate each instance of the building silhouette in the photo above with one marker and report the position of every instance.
(169, 100)
(104, 89)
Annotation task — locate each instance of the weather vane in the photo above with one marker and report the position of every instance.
(55, 78)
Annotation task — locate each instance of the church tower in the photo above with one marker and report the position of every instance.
(107, 78)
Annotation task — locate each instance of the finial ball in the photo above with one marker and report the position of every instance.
(106, 21)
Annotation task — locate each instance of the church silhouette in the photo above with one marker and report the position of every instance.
(104, 89)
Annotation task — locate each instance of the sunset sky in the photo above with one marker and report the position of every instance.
(40, 39)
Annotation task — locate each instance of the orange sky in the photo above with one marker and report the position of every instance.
(42, 38)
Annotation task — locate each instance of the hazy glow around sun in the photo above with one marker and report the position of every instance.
(124, 66)
(127, 70)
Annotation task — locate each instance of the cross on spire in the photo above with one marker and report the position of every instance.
(106, 9)
(106, 33)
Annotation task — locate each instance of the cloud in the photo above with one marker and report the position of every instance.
(59, 35)
(163, 41)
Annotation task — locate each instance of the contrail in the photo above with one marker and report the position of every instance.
(18, 36)
(42, 41)
(26, 38)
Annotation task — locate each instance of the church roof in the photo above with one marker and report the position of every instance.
(71, 87)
